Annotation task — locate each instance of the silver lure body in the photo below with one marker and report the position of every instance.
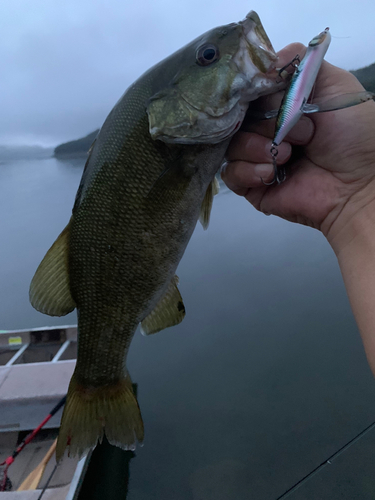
(292, 106)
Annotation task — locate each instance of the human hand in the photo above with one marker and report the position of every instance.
(332, 182)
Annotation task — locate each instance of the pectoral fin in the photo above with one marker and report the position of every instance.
(206, 207)
(168, 312)
(49, 290)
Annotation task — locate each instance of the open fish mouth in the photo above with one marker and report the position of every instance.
(256, 58)
(259, 45)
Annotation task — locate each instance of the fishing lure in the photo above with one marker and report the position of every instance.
(294, 103)
(295, 98)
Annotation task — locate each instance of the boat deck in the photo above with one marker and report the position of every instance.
(35, 369)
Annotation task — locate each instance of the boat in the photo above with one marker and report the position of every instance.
(35, 369)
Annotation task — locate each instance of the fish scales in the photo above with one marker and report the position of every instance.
(108, 278)
(150, 175)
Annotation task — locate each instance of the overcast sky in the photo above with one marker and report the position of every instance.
(64, 63)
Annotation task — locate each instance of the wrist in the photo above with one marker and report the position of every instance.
(353, 228)
(353, 241)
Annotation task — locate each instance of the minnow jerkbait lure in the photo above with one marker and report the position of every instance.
(295, 98)
(303, 79)
(294, 103)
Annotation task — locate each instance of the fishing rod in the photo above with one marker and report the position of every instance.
(327, 461)
(8, 462)
(47, 483)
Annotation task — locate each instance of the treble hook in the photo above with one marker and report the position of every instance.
(279, 174)
(294, 63)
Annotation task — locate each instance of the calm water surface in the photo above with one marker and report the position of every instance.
(263, 380)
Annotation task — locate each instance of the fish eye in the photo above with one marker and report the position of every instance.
(207, 54)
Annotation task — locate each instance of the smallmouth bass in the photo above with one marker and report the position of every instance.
(149, 177)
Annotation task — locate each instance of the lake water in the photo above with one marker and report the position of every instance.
(264, 379)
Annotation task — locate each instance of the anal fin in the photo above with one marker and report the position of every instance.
(169, 311)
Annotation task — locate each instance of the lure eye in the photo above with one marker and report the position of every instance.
(317, 40)
(207, 54)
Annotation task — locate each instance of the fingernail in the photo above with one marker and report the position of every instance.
(303, 131)
(223, 168)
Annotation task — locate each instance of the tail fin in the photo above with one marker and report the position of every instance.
(91, 412)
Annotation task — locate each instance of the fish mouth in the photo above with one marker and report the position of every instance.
(259, 46)
(256, 60)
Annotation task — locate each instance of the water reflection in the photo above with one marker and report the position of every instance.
(260, 381)
(222, 480)
(71, 162)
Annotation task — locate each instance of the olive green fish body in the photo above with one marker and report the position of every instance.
(150, 175)
(128, 232)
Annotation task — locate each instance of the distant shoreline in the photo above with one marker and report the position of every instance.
(75, 149)
(80, 155)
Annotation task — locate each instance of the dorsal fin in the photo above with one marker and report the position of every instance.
(169, 311)
(206, 207)
(49, 290)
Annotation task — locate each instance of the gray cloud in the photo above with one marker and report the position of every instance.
(65, 64)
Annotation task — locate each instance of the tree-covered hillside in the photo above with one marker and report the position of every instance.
(76, 148)
(367, 77)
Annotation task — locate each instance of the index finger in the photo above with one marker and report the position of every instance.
(272, 101)
(285, 56)
(288, 53)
